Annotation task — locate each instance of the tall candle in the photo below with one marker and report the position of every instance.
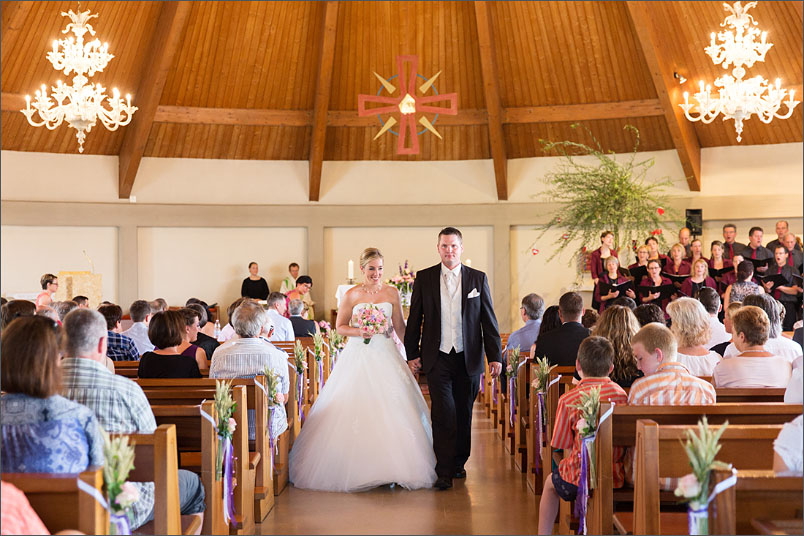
(350, 272)
(468, 262)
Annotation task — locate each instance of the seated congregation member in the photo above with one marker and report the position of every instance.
(641, 264)
(647, 313)
(730, 246)
(550, 321)
(696, 252)
(655, 279)
(666, 381)
(302, 292)
(202, 340)
(754, 250)
(283, 328)
(796, 257)
(42, 432)
(531, 312)
(782, 230)
(788, 448)
(118, 403)
(653, 249)
(560, 345)
(698, 280)
(594, 364)
(228, 331)
(794, 393)
(596, 259)
(63, 307)
(49, 312)
(16, 514)
(50, 283)
(190, 333)
(787, 294)
(625, 301)
(717, 264)
(730, 277)
(743, 286)
(254, 286)
(140, 312)
(120, 347)
(753, 366)
(15, 309)
(167, 331)
(289, 283)
(301, 326)
(777, 344)
(590, 318)
(248, 355)
(710, 300)
(690, 326)
(610, 276)
(721, 347)
(618, 324)
(82, 301)
(675, 263)
(159, 305)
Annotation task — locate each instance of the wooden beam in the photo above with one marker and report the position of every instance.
(489, 69)
(583, 112)
(12, 102)
(14, 15)
(233, 116)
(349, 118)
(158, 61)
(659, 58)
(324, 84)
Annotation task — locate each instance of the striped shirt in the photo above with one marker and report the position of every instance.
(671, 385)
(121, 347)
(120, 406)
(565, 436)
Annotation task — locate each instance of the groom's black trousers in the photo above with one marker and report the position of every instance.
(452, 395)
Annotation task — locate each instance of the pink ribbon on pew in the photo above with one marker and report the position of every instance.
(118, 523)
(582, 497)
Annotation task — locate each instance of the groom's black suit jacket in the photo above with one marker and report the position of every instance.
(423, 332)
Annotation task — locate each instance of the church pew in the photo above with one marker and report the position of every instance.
(620, 429)
(749, 395)
(195, 434)
(155, 460)
(192, 456)
(193, 391)
(60, 504)
(743, 509)
(518, 430)
(660, 455)
(127, 369)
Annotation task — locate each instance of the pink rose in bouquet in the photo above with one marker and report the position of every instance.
(372, 319)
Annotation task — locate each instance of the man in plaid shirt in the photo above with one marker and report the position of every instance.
(120, 347)
(594, 364)
(118, 403)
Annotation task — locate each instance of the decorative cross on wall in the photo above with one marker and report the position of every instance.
(408, 104)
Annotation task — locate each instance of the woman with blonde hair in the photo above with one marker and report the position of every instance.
(618, 324)
(698, 280)
(640, 268)
(690, 326)
(676, 264)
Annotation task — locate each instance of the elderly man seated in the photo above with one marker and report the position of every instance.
(531, 311)
(283, 329)
(301, 326)
(248, 355)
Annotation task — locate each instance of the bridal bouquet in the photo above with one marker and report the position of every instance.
(372, 319)
(119, 461)
(694, 488)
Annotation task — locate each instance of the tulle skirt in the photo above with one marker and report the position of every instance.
(369, 426)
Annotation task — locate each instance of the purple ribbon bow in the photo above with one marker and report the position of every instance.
(228, 484)
(301, 392)
(539, 425)
(511, 401)
(271, 410)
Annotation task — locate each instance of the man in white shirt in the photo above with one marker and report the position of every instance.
(283, 329)
(710, 299)
(777, 343)
(140, 312)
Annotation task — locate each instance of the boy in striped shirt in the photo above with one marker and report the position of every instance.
(594, 363)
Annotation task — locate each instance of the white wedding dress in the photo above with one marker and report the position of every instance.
(369, 426)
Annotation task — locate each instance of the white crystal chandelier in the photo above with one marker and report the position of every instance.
(739, 99)
(81, 104)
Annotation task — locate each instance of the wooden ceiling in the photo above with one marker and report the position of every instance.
(279, 80)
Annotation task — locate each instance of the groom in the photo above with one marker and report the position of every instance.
(451, 322)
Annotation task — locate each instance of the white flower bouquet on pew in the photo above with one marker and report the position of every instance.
(299, 358)
(119, 461)
(225, 407)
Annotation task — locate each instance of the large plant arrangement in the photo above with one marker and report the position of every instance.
(606, 194)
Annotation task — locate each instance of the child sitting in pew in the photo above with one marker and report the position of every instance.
(594, 364)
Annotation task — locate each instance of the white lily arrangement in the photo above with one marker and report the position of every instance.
(119, 461)
(541, 374)
(701, 450)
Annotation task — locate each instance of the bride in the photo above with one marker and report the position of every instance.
(370, 424)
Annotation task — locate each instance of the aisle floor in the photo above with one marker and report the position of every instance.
(494, 499)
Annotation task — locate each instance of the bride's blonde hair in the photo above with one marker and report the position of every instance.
(368, 255)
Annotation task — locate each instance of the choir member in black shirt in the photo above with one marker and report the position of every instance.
(730, 247)
(782, 229)
(796, 257)
(254, 286)
(755, 251)
(788, 293)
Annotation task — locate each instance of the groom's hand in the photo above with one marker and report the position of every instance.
(495, 368)
(415, 365)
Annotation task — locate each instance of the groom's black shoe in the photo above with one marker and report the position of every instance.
(443, 482)
(460, 473)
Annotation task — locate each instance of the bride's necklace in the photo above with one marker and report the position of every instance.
(369, 291)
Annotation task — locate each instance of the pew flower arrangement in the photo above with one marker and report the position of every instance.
(701, 450)
(588, 408)
(318, 355)
(511, 372)
(540, 384)
(119, 461)
(225, 407)
(275, 399)
(299, 358)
